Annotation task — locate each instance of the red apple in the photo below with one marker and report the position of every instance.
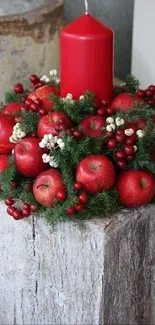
(14, 109)
(7, 123)
(93, 125)
(96, 173)
(28, 157)
(48, 123)
(125, 101)
(135, 188)
(43, 93)
(4, 162)
(46, 187)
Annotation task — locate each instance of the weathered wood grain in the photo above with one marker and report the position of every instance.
(102, 273)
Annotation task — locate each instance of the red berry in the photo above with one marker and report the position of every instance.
(26, 213)
(26, 206)
(34, 107)
(110, 134)
(121, 164)
(39, 102)
(13, 184)
(149, 93)
(102, 111)
(78, 186)
(40, 84)
(61, 196)
(77, 134)
(110, 111)
(83, 198)
(130, 158)
(28, 102)
(11, 210)
(62, 127)
(112, 144)
(18, 89)
(151, 102)
(33, 208)
(34, 79)
(79, 207)
(141, 93)
(120, 155)
(131, 140)
(120, 138)
(70, 211)
(69, 132)
(42, 112)
(17, 215)
(120, 132)
(9, 201)
(151, 87)
(129, 150)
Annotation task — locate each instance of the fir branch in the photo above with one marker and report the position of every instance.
(131, 84)
(29, 122)
(11, 96)
(77, 110)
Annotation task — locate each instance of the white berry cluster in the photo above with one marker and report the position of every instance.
(51, 143)
(112, 123)
(53, 73)
(17, 133)
(129, 132)
(69, 97)
(81, 97)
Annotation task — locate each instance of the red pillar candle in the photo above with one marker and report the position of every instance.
(86, 58)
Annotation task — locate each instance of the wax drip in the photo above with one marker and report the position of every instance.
(86, 7)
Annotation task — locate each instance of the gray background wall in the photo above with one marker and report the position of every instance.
(119, 15)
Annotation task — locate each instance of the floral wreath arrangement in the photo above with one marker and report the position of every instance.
(70, 159)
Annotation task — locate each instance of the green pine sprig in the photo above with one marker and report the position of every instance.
(11, 96)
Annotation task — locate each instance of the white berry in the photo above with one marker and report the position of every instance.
(113, 126)
(109, 128)
(47, 80)
(135, 148)
(110, 120)
(140, 133)
(129, 132)
(122, 121)
(55, 72)
(69, 96)
(81, 97)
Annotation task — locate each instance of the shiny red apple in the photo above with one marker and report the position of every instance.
(14, 108)
(4, 162)
(93, 126)
(135, 188)
(48, 123)
(44, 93)
(46, 187)
(7, 123)
(125, 101)
(28, 157)
(96, 173)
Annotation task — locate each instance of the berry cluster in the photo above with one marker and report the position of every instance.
(122, 141)
(51, 143)
(17, 133)
(105, 110)
(148, 95)
(82, 200)
(19, 213)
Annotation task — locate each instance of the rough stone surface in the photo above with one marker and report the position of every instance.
(29, 43)
(98, 273)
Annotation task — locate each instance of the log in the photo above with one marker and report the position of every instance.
(29, 40)
(98, 272)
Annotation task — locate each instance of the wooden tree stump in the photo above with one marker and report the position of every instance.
(29, 41)
(100, 273)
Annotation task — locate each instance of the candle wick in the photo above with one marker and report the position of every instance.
(86, 7)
